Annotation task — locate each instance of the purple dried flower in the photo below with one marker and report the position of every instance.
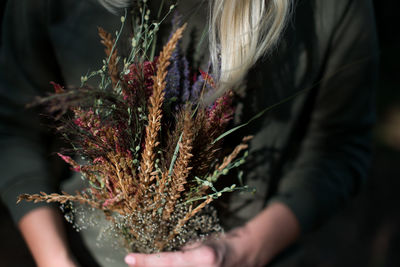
(186, 81)
(178, 83)
(173, 76)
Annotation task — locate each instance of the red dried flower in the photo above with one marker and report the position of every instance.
(139, 76)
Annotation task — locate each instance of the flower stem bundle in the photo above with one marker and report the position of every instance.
(147, 144)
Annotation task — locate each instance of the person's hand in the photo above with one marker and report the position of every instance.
(252, 245)
(230, 250)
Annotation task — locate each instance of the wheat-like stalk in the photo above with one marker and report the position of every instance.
(155, 115)
(119, 172)
(190, 214)
(154, 109)
(159, 196)
(182, 222)
(228, 159)
(181, 167)
(108, 42)
(204, 148)
(64, 197)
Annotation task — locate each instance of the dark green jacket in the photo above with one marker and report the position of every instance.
(311, 153)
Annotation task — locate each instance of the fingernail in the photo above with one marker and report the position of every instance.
(130, 260)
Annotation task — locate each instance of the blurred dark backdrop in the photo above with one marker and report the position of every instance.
(366, 232)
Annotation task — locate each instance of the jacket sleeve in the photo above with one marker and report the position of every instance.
(335, 153)
(27, 65)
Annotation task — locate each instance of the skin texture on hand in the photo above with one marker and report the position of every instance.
(252, 245)
(43, 232)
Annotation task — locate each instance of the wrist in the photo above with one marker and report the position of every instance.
(269, 233)
(242, 247)
(59, 258)
(45, 236)
(253, 251)
(57, 261)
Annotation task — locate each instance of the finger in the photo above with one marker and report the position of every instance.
(203, 256)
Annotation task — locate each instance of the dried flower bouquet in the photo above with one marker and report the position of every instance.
(150, 147)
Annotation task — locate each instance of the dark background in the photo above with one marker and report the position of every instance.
(366, 232)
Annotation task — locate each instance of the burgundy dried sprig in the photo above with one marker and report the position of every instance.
(139, 81)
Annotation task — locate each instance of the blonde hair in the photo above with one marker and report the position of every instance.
(240, 33)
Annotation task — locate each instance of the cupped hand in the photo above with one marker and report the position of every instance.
(254, 244)
(224, 252)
